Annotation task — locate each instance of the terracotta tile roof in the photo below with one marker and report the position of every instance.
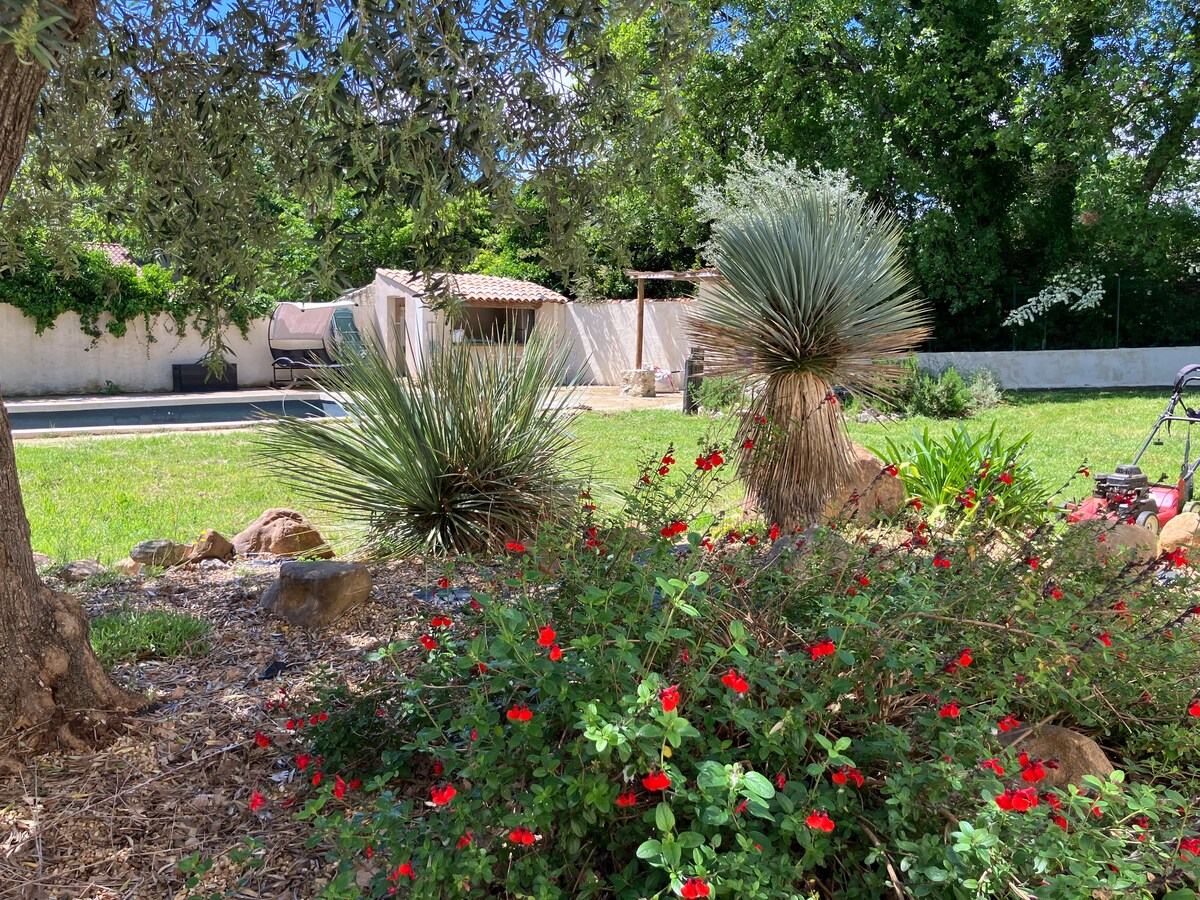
(117, 255)
(480, 288)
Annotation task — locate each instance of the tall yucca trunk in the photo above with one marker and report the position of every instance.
(798, 454)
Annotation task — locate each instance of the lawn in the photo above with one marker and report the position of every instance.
(97, 497)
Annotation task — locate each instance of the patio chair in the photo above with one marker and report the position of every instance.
(303, 338)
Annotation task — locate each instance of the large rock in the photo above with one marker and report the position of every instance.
(161, 552)
(1075, 754)
(1103, 539)
(281, 532)
(212, 545)
(81, 570)
(1181, 531)
(128, 566)
(879, 495)
(637, 383)
(315, 594)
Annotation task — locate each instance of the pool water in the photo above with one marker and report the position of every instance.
(83, 415)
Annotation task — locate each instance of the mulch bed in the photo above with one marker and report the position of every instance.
(115, 823)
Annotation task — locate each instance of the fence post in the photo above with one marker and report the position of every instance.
(693, 374)
(1117, 335)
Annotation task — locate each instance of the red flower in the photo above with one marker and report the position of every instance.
(668, 460)
(428, 642)
(316, 779)
(520, 713)
(715, 458)
(475, 604)
(819, 821)
(1018, 801)
(669, 697)
(403, 869)
(515, 547)
(993, 764)
(1055, 802)
(555, 652)
(657, 781)
(442, 796)
(1008, 723)
(546, 636)
(891, 469)
(1194, 709)
(1033, 561)
(964, 657)
(261, 739)
(914, 503)
(1189, 846)
(1056, 592)
(1059, 820)
(773, 534)
(440, 622)
(443, 582)
(761, 420)
(824, 648)
(257, 801)
(438, 768)
(780, 781)
(1105, 639)
(1177, 557)
(1083, 470)
(844, 774)
(354, 783)
(302, 760)
(673, 529)
(747, 444)
(629, 798)
(1005, 477)
(940, 562)
(1034, 771)
(645, 479)
(741, 808)
(664, 470)
(694, 887)
(521, 835)
(466, 840)
(864, 580)
(949, 710)
(732, 679)
(339, 787)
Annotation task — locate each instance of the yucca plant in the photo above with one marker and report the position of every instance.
(469, 454)
(814, 294)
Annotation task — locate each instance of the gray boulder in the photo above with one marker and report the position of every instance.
(161, 552)
(316, 594)
(81, 570)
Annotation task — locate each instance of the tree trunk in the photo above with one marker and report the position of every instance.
(51, 684)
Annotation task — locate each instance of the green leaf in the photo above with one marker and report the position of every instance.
(649, 850)
(664, 817)
(759, 785)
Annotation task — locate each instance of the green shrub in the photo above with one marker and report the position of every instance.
(721, 393)
(131, 634)
(964, 479)
(469, 453)
(649, 721)
(941, 396)
(987, 392)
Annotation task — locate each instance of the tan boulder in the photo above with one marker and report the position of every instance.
(212, 545)
(1104, 539)
(81, 570)
(1181, 531)
(128, 566)
(281, 532)
(1074, 754)
(869, 494)
(316, 594)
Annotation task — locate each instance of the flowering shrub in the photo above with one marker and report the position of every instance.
(693, 722)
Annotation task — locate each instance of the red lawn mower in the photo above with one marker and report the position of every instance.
(1127, 495)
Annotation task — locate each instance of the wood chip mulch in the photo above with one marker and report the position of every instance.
(116, 823)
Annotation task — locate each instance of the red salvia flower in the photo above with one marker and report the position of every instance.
(748, 444)
(440, 622)
(443, 795)
(693, 888)
(964, 657)
(1018, 801)
(1008, 723)
(669, 697)
(405, 869)
(1033, 561)
(555, 652)
(732, 679)
(438, 768)
(1194, 709)
(1060, 820)
(443, 582)
(824, 648)
(741, 808)
(864, 580)
(1189, 846)
(629, 798)
(1034, 771)
(940, 562)
(428, 642)
(664, 470)
(261, 739)
(993, 764)
(515, 547)
(716, 458)
(844, 774)
(466, 840)
(773, 534)
(657, 781)
(668, 460)
(1177, 557)
(302, 760)
(316, 779)
(949, 710)
(1105, 639)
(891, 469)
(354, 784)
(475, 604)
(780, 781)
(521, 835)
(520, 713)
(819, 821)
(1056, 592)
(339, 787)
(1054, 801)
(1006, 477)
(257, 801)
(546, 636)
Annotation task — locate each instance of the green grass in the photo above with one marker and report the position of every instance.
(130, 634)
(98, 497)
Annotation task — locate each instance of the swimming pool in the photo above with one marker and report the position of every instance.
(164, 411)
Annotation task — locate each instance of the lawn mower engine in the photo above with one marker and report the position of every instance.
(1126, 492)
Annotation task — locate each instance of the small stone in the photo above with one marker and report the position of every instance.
(212, 545)
(316, 594)
(281, 532)
(213, 565)
(81, 570)
(161, 552)
(128, 566)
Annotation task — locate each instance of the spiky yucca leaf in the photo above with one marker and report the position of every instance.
(469, 454)
(814, 294)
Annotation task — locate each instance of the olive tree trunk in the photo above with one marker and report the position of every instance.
(51, 684)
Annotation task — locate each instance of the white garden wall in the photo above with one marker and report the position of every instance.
(1018, 369)
(603, 337)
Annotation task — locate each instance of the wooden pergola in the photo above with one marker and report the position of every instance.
(641, 277)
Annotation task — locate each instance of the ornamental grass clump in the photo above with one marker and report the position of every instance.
(469, 453)
(814, 294)
(697, 721)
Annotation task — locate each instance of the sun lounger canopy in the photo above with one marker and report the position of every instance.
(302, 336)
